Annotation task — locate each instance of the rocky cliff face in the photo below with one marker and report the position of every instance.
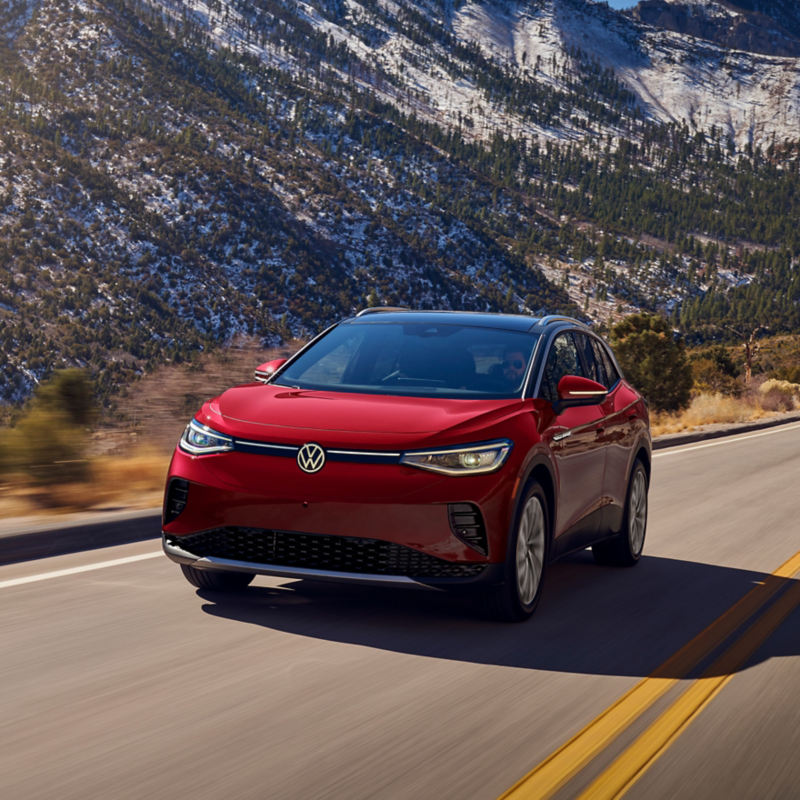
(733, 27)
(785, 12)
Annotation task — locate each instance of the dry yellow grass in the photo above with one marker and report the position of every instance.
(139, 478)
(707, 409)
(133, 481)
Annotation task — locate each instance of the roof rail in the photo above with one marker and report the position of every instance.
(379, 309)
(561, 318)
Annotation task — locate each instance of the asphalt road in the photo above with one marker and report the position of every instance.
(121, 681)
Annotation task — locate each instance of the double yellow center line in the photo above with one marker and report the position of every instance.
(554, 772)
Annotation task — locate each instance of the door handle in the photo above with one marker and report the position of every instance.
(600, 431)
(631, 417)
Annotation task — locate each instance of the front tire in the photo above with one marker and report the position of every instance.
(216, 580)
(625, 549)
(517, 598)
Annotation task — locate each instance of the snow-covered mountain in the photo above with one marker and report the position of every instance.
(710, 63)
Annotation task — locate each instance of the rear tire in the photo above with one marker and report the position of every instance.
(216, 580)
(517, 598)
(625, 549)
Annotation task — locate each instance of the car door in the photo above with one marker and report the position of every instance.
(608, 428)
(578, 452)
(620, 422)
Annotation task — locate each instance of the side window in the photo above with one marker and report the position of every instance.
(594, 370)
(562, 360)
(612, 376)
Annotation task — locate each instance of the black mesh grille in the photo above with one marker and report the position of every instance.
(310, 551)
(177, 494)
(466, 522)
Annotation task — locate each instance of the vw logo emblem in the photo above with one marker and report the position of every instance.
(311, 458)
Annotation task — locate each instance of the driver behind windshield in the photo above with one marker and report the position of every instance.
(511, 370)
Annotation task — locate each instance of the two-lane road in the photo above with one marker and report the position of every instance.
(121, 681)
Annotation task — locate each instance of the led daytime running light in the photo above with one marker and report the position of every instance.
(478, 459)
(199, 439)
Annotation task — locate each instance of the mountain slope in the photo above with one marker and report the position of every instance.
(175, 173)
(153, 204)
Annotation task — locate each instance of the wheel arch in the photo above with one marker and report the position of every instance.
(644, 455)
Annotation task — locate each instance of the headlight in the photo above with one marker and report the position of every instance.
(476, 459)
(197, 439)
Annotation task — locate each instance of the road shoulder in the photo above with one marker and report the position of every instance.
(723, 429)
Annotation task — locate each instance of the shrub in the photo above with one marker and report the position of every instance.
(784, 387)
(68, 391)
(46, 446)
(48, 443)
(708, 378)
(777, 395)
(776, 400)
(714, 372)
(653, 360)
(791, 374)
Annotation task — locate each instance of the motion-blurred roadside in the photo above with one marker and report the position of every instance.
(61, 453)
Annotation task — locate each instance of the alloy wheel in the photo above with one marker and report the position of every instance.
(530, 550)
(637, 512)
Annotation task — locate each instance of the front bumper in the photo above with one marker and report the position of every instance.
(396, 504)
(179, 550)
(358, 523)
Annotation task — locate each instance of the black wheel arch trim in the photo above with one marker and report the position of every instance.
(643, 443)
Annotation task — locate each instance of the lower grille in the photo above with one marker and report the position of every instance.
(311, 551)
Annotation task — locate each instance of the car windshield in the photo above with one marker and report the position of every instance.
(415, 359)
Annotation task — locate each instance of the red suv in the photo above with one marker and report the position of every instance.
(447, 450)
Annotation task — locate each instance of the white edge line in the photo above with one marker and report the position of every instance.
(61, 573)
(727, 440)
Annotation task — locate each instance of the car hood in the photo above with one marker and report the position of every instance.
(275, 412)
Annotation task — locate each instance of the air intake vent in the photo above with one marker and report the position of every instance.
(177, 495)
(466, 522)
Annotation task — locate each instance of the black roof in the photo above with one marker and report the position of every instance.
(509, 322)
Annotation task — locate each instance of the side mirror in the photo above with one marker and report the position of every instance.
(266, 371)
(576, 391)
